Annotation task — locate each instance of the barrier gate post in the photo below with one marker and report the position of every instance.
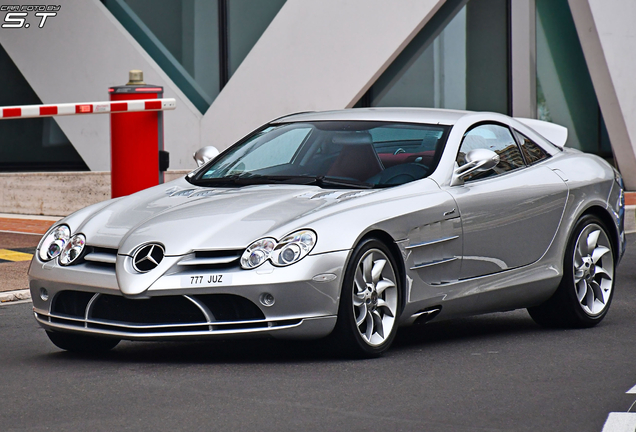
(137, 155)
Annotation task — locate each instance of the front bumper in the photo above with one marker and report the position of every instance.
(84, 299)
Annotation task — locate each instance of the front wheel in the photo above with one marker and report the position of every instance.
(369, 302)
(586, 289)
(81, 343)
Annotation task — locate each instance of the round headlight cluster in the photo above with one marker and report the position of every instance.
(54, 242)
(289, 250)
(73, 249)
(59, 243)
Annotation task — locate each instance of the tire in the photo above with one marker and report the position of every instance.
(370, 301)
(587, 287)
(81, 343)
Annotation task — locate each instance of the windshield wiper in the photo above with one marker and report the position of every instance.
(341, 182)
(245, 179)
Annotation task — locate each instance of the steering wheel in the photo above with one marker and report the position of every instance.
(400, 174)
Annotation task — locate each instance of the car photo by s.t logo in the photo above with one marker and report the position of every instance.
(347, 225)
(16, 16)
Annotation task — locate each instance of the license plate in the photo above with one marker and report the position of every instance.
(206, 280)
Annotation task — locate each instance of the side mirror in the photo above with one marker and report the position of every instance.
(478, 160)
(205, 154)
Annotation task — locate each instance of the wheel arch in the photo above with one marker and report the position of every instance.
(607, 220)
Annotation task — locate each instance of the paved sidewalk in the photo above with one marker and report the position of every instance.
(26, 223)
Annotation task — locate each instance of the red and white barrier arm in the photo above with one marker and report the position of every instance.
(31, 111)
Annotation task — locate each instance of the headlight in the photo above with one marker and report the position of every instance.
(73, 249)
(257, 253)
(289, 250)
(54, 242)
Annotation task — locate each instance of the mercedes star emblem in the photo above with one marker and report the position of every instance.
(148, 257)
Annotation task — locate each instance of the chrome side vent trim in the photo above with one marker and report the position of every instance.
(432, 263)
(432, 242)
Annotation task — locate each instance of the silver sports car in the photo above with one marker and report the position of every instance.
(346, 224)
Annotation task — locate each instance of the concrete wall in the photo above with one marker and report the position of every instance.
(56, 194)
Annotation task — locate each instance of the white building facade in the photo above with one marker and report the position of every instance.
(235, 64)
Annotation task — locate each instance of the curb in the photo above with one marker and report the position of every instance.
(11, 296)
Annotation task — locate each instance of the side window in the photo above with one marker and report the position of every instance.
(496, 138)
(531, 150)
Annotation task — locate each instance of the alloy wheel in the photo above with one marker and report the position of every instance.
(375, 297)
(593, 268)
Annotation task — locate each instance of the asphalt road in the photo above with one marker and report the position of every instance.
(487, 373)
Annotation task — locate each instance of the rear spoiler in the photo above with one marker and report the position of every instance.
(554, 133)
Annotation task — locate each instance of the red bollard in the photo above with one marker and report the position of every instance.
(137, 158)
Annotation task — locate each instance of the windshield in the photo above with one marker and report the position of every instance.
(344, 154)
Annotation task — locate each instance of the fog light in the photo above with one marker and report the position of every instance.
(267, 299)
(44, 294)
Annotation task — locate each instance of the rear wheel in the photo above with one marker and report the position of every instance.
(369, 302)
(81, 343)
(586, 289)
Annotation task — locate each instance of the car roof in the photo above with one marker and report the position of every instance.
(406, 115)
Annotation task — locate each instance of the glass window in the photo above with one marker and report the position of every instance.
(532, 152)
(459, 60)
(278, 151)
(496, 138)
(331, 154)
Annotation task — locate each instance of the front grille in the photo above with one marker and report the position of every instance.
(211, 260)
(156, 310)
(165, 315)
(100, 257)
(71, 303)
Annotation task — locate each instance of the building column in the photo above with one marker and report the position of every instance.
(523, 58)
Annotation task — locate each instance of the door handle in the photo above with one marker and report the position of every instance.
(450, 212)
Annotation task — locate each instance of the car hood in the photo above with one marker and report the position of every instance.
(185, 218)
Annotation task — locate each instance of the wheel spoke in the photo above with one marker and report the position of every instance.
(369, 331)
(378, 266)
(358, 300)
(361, 315)
(367, 266)
(592, 240)
(600, 271)
(578, 256)
(598, 292)
(385, 308)
(589, 298)
(598, 253)
(358, 279)
(578, 275)
(377, 321)
(383, 285)
(581, 290)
